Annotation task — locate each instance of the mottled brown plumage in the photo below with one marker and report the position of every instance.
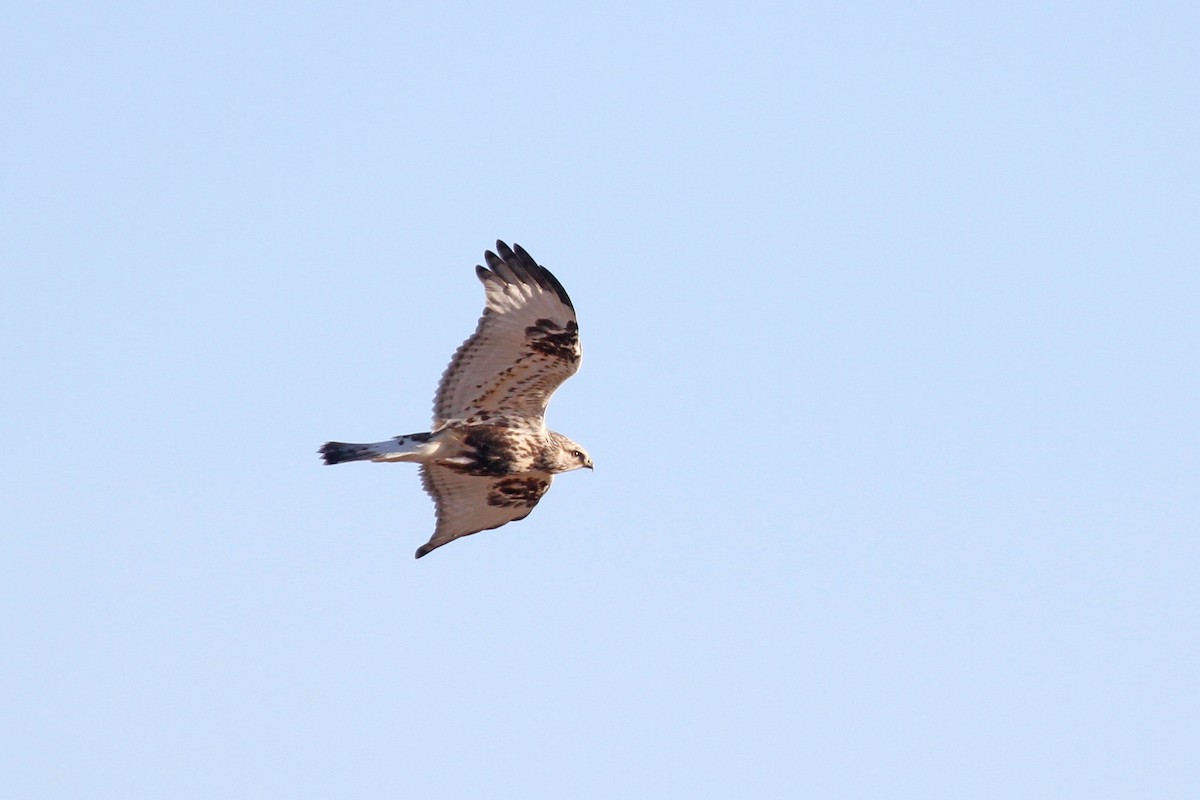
(489, 457)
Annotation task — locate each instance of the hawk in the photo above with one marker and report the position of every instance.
(489, 457)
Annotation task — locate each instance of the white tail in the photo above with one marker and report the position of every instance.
(413, 447)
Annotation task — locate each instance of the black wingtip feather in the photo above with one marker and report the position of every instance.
(516, 262)
(505, 251)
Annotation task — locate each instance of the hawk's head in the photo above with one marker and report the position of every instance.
(570, 455)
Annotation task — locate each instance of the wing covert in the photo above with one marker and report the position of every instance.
(468, 504)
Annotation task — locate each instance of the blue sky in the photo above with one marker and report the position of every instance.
(891, 382)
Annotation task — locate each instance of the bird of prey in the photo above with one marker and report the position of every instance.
(489, 457)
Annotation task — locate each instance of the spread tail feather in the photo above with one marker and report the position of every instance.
(337, 452)
(413, 447)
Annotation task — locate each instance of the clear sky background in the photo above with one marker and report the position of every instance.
(891, 381)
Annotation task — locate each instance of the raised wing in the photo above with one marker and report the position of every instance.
(469, 504)
(525, 346)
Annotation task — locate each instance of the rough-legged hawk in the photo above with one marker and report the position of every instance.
(489, 457)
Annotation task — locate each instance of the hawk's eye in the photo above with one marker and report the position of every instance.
(577, 454)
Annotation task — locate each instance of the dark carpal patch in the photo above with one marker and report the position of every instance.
(548, 337)
(517, 492)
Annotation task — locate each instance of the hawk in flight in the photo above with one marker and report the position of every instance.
(489, 457)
